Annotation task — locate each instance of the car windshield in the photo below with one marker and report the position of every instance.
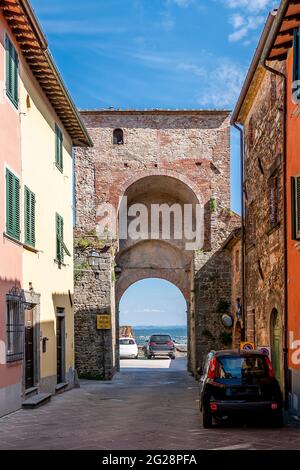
(236, 367)
(126, 341)
(158, 338)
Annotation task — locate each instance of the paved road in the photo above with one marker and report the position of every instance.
(149, 405)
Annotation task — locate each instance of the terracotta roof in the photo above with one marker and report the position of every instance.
(280, 39)
(33, 44)
(154, 111)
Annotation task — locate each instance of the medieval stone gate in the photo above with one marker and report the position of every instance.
(151, 158)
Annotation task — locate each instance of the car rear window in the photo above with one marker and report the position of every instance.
(157, 338)
(127, 342)
(238, 367)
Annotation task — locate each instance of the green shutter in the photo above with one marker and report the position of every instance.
(12, 72)
(59, 148)
(29, 217)
(59, 238)
(296, 68)
(12, 205)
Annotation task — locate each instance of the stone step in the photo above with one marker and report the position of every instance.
(37, 400)
(60, 388)
(31, 392)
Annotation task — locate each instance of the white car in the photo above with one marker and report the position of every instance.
(128, 348)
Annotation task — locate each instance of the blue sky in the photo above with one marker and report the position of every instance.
(155, 54)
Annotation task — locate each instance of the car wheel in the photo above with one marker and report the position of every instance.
(206, 419)
(173, 357)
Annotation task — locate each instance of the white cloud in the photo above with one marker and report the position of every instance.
(250, 5)
(223, 85)
(250, 15)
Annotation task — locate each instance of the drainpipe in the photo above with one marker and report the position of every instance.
(243, 229)
(284, 126)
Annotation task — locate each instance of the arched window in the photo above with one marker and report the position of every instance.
(118, 137)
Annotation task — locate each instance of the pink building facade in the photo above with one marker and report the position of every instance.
(10, 248)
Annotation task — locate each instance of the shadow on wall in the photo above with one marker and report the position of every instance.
(213, 300)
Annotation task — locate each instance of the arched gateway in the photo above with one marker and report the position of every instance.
(153, 204)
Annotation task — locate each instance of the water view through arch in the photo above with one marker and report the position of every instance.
(154, 306)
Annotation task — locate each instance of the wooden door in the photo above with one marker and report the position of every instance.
(59, 348)
(29, 350)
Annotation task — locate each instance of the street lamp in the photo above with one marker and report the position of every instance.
(94, 260)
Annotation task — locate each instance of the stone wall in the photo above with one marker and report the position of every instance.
(264, 224)
(167, 156)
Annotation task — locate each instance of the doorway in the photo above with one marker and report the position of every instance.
(276, 336)
(29, 349)
(60, 345)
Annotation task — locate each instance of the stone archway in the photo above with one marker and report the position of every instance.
(166, 157)
(158, 258)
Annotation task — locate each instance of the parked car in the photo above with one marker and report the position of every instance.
(239, 383)
(128, 348)
(160, 345)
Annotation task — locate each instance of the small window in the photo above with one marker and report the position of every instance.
(273, 90)
(273, 201)
(296, 207)
(118, 137)
(12, 72)
(296, 67)
(251, 133)
(29, 217)
(14, 326)
(59, 148)
(12, 205)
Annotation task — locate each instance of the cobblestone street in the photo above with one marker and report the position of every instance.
(143, 408)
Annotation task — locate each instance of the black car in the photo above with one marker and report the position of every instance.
(160, 345)
(236, 383)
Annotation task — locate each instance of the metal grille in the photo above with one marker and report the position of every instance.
(15, 325)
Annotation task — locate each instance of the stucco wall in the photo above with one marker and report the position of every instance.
(10, 252)
(53, 191)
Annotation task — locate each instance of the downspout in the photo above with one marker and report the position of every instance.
(284, 127)
(243, 229)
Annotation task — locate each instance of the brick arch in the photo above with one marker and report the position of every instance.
(125, 186)
(139, 276)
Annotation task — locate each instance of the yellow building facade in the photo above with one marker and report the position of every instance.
(49, 127)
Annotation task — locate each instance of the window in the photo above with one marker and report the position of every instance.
(61, 248)
(296, 207)
(296, 69)
(118, 137)
(14, 326)
(12, 205)
(29, 217)
(59, 148)
(273, 201)
(12, 67)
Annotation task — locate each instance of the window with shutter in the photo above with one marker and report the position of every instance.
(29, 217)
(59, 148)
(12, 205)
(296, 207)
(296, 69)
(12, 72)
(59, 238)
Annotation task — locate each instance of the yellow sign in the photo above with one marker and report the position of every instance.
(103, 322)
(247, 346)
